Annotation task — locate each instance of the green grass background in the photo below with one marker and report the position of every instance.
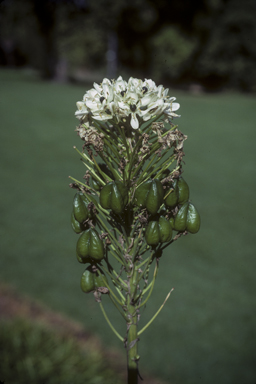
(206, 333)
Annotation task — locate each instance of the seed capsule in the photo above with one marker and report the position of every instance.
(183, 189)
(95, 185)
(193, 219)
(90, 248)
(114, 195)
(80, 207)
(172, 199)
(179, 195)
(158, 231)
(187, 218)
(76, 226)
(91, 280)
(180, 223)
(150, 195)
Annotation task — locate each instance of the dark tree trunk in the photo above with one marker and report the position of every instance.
(45, 11)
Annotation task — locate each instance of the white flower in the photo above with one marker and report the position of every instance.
(82, 110)
(154, 108)
(150, 85)
(131, 102)
(171, 108)
(120, 85)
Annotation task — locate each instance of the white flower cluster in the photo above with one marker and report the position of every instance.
(136, 101)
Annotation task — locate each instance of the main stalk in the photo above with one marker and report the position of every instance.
(132, 337)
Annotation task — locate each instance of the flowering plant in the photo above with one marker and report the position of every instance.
(130, 103)
(132, 199)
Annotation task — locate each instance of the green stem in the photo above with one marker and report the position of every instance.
(116, 283)
(143, 262)
(116, 175)
(153, 318)
(79, 182)
(132, 354)
(163, 167)
(105, 214)
(124, 141)
(138, 182)
(151, 289)
(146, 289)
(144, 248)
(144, 176)
(113, 149)
(109, 154)
(106, 130)
(83, 155)
(154, 148)
(112, 293)
(111, 144)
(110, 234)
(135, 247)
(109, 323)
(121, 312)
(134, 156)
(134, 227)
(150, 293)
(132, 337)
(125, 235)
(119, 278)
(117, 257)
(146, 270)
(103, 174)
(120, 293)
(94, 174)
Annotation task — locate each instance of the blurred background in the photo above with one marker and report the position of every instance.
(205, 42)
(51, 52)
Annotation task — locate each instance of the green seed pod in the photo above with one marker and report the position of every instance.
(114, 195)
(187, 218)
(92, 280)
(165, 230)
(158, 231)
(80, 207)
(87, 281)
(76, 226)
(150, 195)
(172, 199)
(172, 222)
(90, 248)
(183, 189)
(95, 185)
(100, 281)
(180, 222)
(83, 260)
(193, 219)
(152, 235)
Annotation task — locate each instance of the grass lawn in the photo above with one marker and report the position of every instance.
(206, 333)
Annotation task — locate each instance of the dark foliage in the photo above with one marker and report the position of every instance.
(210, 42)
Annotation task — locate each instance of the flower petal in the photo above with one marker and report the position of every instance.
(97, 87)
(134, 121)
(175, 106)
